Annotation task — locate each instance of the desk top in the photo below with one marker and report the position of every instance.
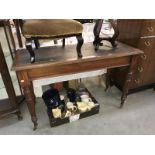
(50, 56)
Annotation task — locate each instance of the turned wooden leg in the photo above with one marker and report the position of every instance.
(30, 50)
(63, 42)
(128, 80)
(79, 45)
(107, 82)
(125, 88)
(30, 103)
(32, 90)
(37, 44)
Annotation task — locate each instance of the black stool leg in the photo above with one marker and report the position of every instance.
(79, 45)
(30, 50)
(37, 44)
(55, 42)
(63, 42)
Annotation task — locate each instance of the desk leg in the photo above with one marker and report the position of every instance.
(128, 80)
(109, 82)
(18, 113)
(29, 96)
(33, 94)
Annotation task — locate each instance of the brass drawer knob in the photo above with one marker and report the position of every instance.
(147, 43)
(140, 69)
(143, 57)
(150, 29)
(137, 81)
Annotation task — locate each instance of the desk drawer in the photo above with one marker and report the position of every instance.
(148, 28)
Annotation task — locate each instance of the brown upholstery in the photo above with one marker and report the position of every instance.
(51, 27)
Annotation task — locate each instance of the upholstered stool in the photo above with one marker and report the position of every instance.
(53, 29)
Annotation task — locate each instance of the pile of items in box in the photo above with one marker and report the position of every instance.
(69, 106)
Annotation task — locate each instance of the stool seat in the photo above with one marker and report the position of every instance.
(45, 28)
(35, 29)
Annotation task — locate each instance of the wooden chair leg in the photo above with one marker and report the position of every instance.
(79, 45)
(30, 50)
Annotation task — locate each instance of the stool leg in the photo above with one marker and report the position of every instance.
(108, 81)
(55, 42)
(37, 44)
(63, 42)
(30, 50)
(79, 45)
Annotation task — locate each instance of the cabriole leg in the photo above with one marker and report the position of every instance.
(79, 45)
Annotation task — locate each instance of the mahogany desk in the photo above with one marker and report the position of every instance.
(55, 61)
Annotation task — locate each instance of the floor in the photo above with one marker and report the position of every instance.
(137, 116)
